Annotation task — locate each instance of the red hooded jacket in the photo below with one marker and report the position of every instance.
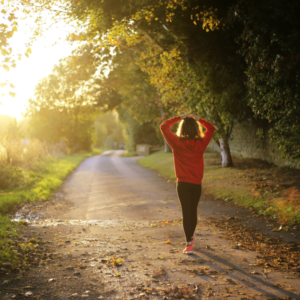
(188, 154)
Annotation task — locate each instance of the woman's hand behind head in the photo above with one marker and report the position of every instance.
(195, 117)
(184, 116)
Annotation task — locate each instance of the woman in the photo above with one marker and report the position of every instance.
(188, 147)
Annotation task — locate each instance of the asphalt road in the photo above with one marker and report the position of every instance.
(112, 187)
(109, 186)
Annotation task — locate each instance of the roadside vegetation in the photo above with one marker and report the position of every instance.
(269, 190)
(129, 153)
(29, 173)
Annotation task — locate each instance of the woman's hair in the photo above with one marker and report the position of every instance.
(190, 129)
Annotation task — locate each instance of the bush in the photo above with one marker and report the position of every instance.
(28, 153)
(12, 177)
(22, 161)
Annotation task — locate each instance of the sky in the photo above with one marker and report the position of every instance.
(30, 70)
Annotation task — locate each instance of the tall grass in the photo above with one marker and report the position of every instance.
(20, 160)
(27, 152)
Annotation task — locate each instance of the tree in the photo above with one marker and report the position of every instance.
(108, 130)
(62, 107)
(126, 88)
(191, 65)
(136, 132)
(188, 48)
(270, 44)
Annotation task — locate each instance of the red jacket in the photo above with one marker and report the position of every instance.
(188, 154)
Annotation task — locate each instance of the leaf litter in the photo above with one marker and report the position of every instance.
(115, 265)
(273, 253)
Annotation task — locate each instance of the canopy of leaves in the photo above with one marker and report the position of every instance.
(108, 131)
(270, 45)
(62, 107)
(192, 52)
(127, 88)
(190, 68)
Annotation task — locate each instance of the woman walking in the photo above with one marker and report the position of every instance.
(188, 147)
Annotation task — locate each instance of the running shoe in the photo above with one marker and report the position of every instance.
(188, 250)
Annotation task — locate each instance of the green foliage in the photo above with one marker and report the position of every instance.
(187, 55)
(161, 162)
(12, 177)
(129, 154)
(63, 108)
(127, 88)
(169, 55)
(270, 45)
(135, 132)
(7, 229)
(108, 130)
(43, 181)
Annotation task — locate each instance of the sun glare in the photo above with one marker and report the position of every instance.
(30, 70)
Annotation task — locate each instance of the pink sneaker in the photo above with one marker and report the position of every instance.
(188, 250)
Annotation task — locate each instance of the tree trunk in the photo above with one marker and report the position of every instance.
(167, 147)
(225, 153)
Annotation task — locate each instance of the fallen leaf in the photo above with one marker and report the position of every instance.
(277, 229)
(28, 294)
(73, 295)
(291, 276)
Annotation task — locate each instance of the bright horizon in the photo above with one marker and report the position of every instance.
(30, 71)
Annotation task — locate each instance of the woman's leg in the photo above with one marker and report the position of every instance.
(195, 197)
(189, 195)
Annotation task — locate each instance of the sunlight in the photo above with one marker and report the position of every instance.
(46, 52)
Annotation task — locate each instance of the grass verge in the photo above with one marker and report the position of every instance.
(129, 154)
(254, 184)
(50, 177)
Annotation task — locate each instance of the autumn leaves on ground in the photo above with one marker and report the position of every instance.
(114, 230)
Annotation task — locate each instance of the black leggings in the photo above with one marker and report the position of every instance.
(189, 196)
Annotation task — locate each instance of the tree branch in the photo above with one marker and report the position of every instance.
(152, 39)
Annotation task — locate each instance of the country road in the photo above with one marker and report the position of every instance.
(113, 231)
(113, 187)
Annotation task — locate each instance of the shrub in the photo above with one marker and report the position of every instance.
(12, 177)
